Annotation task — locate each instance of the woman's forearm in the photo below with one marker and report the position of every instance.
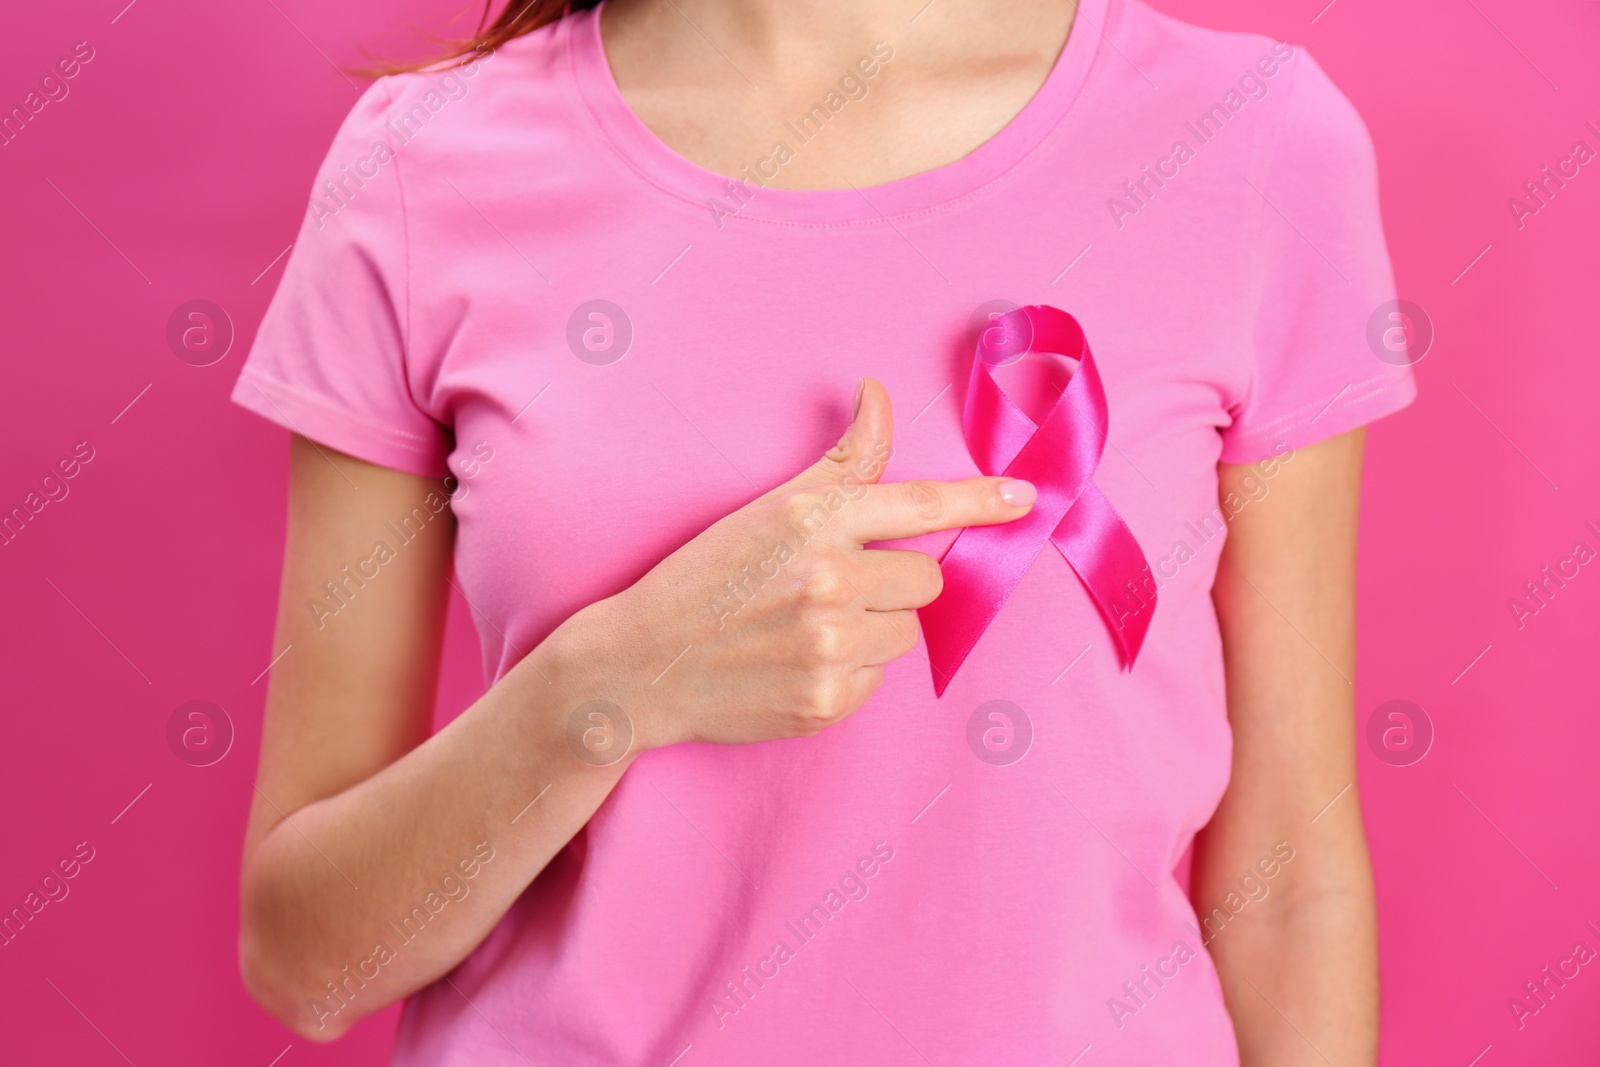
(357, 900)
(1291, 926)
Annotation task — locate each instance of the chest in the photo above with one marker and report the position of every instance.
(669, 371)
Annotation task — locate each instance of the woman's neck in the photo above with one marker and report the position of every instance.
(718, 79)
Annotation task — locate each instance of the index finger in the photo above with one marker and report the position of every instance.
(893, 510)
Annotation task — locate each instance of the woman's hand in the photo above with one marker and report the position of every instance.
(776, 621)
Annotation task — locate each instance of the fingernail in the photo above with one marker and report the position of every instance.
(860, 387)
(1018, 493)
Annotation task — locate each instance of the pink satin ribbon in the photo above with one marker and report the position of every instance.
(1059, 456)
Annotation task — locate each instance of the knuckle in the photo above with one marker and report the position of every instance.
(825, 586)
(816, 724)
(815, 708)
(826, 643)
(829, 704)
(794, 507)
(925, 501)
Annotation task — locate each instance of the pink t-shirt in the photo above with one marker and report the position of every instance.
(505, 277)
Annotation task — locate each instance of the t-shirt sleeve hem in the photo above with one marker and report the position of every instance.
(402, 450)
(1361, 403)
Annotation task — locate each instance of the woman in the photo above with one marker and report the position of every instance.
(579, 316)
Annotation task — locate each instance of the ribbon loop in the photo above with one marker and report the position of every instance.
(1059, 456)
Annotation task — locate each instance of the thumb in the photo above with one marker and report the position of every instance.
(863, 451)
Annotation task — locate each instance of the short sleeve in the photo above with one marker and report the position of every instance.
(329, 361)
(1324, 273)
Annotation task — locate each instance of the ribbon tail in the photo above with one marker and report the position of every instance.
(981, 568)
(1108, 560)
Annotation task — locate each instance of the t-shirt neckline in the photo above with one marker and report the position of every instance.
(662, 165)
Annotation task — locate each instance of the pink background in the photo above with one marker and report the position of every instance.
(177, 168)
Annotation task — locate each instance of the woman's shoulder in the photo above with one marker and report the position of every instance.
(482, 113)
(528, 67)
(1184, 66)
(1173, 46)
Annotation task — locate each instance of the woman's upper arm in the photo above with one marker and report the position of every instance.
(360, 618)
(1285, 599)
